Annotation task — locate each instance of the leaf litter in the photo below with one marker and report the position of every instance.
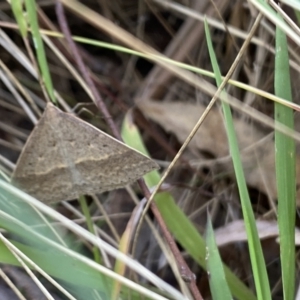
(257, 153)
(257, 148)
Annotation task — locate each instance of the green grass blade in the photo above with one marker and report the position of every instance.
(217, 281)
(285, 168)
(256, 254)
(90, 226)
(39, 47)
(17, 8)
(132, 137)
(297, 14)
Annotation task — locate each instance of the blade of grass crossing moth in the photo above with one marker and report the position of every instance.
(217, 280)
(39, 47)
(90, 226)
(285, 168)
(176, 220)
(256, 254)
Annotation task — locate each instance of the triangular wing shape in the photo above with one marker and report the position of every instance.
(65, 157)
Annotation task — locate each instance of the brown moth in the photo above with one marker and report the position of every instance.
(65, 157)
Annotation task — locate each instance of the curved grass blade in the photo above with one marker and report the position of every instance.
(256, 254)
(217, 280)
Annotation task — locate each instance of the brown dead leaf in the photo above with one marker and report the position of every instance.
(235, 232)
(257, 151)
